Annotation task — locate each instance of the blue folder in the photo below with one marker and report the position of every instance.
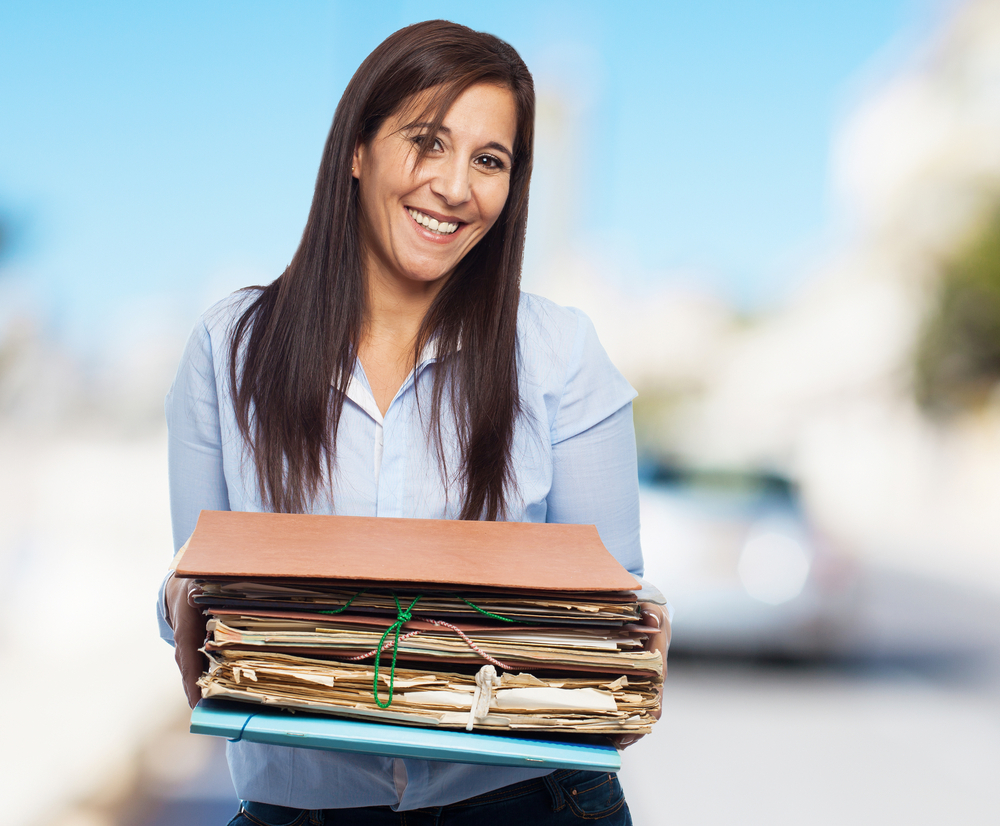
(261, 724)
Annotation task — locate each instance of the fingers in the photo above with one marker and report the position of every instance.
(191, 664)
(651, 613)
(654, 616)
(656, 712)
(188, 624)
(623, 741)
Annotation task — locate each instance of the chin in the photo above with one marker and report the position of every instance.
(427, 275)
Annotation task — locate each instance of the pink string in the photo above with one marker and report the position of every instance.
(385, 645)
(455, 628)
(471, 644)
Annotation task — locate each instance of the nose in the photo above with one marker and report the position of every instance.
(452, 181)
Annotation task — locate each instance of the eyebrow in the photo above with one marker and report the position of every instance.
(491, 145)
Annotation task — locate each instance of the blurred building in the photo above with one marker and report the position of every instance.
(824, 387)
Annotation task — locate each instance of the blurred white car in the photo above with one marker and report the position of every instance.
(743, 569)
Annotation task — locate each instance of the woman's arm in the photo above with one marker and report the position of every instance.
(595, 476)
(197, 482)
(197, 476)
(595, 481)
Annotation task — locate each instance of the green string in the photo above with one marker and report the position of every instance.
(347, 604)
(490, 614)
(343, 607)
(403, 617)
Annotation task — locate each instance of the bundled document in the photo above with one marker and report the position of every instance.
(497, 626)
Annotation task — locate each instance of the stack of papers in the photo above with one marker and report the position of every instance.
(438, 623)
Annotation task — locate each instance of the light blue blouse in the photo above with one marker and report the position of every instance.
(574, 460)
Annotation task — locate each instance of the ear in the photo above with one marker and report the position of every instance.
(357, 160)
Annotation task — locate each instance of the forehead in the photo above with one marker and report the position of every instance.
(484, 111)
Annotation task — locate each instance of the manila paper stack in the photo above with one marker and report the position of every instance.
(498, 626)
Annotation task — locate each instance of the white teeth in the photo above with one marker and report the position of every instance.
(441, 227)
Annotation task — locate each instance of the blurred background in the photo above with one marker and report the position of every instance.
(784, 219)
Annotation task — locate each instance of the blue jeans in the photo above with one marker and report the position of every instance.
(561, 798)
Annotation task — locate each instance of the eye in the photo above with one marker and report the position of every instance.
(490, 162)
(421, 140)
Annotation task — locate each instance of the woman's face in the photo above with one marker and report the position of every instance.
(419, 220)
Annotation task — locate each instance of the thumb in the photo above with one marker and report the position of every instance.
(191, 663)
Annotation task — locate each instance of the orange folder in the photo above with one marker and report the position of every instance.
(510, 556)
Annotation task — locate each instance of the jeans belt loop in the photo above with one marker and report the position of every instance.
(555, 791)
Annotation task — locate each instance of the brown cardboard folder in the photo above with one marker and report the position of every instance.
(513, 556)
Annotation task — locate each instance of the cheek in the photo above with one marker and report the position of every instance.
(496, 201)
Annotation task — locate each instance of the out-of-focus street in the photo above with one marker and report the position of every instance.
(781, 745)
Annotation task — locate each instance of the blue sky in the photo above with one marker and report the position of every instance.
(167, 152)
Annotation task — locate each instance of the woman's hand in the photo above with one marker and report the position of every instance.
(188, 623)
(653, 617)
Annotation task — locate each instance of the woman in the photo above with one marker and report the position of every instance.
(395, 369)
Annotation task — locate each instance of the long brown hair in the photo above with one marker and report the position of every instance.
(301, 332)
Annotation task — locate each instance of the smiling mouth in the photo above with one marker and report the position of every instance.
(432, 224)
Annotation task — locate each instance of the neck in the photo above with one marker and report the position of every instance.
(395, 317)
(396, 308)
